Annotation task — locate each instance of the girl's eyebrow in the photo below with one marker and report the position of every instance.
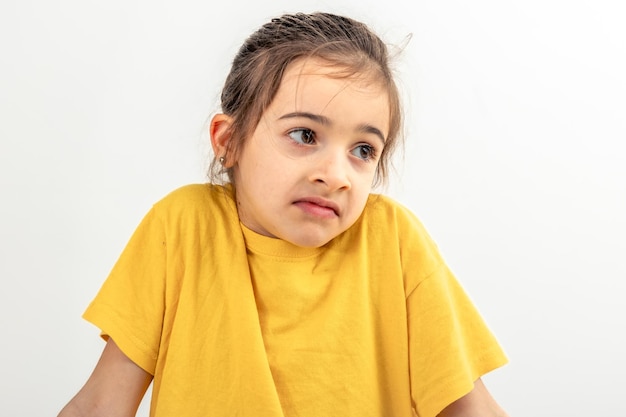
(318, 118)
(323, 120)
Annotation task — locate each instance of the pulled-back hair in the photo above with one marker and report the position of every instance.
(258, 69)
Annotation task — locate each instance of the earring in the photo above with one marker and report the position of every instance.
(222, 160)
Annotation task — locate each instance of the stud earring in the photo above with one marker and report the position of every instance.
(222, 160)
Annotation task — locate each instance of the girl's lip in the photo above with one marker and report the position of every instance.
(321, 202)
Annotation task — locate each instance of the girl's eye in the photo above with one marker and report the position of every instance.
(364, 152)
(303, 136)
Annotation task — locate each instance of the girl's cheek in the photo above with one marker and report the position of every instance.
(293, 149)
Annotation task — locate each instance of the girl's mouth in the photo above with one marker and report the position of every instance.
(319, 207)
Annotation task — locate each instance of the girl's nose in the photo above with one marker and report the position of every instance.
(332, 169)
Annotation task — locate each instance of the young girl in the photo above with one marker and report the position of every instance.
(291, 290)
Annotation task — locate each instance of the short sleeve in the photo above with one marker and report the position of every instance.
(130, 304)
(450, 346)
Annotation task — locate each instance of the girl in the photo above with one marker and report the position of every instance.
(291, 290)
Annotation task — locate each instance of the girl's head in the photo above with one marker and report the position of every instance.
(258, 68)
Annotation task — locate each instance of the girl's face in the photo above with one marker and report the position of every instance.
(305, 174)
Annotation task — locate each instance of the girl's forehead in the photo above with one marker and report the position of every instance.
(314, 75)
(316, 67)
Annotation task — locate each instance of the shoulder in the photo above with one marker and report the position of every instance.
(382, 210)
(382, 205)
(196, 195)
(196, 208)
(395, 224)
(196, 198)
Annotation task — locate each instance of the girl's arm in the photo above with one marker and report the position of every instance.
(114, 389)
(478, 402)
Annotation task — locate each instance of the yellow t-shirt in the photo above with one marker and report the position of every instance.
(231, 323)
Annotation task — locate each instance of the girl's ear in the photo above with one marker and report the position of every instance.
(220, 132)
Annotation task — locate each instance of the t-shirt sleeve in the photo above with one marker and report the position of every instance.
(450, 346)
(130, 304)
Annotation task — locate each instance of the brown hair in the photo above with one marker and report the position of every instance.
(258, 68)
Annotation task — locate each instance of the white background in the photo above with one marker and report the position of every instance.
(515, 161)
